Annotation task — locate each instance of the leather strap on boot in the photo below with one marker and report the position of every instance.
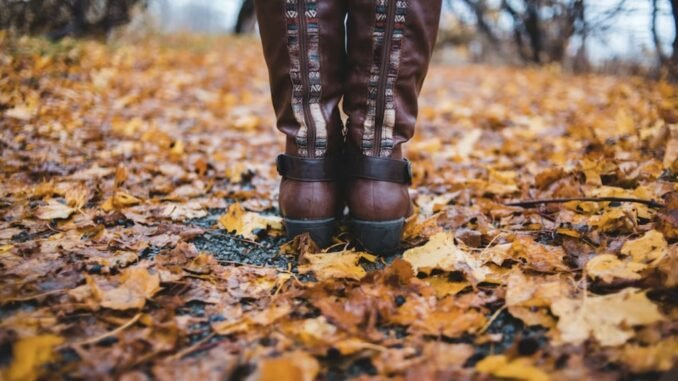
(305, 169)
(379, 169)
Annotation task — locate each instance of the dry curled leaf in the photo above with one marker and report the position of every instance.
(607, 318)
(238, 220)
(441, 253)
(345, 264)
(517, 369)
(608, 267)
(137, 285)
(54, 210)
(29, 354)
(650, 248)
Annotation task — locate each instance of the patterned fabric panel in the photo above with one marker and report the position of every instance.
(305, 75)
(381, 90)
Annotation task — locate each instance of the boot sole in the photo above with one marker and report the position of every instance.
(321, 231)
(378, 237)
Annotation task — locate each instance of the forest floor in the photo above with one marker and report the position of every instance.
(139, 236)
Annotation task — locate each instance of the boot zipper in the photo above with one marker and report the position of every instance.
(303, 62)
(383, 75)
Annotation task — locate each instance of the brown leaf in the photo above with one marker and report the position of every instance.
(54, 210)
(136, 286)
(606, 318)
(29, 354)
(345, 264)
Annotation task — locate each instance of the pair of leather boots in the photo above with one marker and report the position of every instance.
(373, 55)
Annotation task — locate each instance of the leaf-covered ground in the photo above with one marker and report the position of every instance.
(139, 237)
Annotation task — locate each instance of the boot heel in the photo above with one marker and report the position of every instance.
(380, 237)
(321, 231)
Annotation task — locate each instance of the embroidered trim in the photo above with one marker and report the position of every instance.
(379, 38)
(305, 99)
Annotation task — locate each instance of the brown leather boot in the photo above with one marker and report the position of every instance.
(389, 48)
(304, 48)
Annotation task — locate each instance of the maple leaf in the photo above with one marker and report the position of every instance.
(343, 264)
(537, 256)
(441, 253)
(293, 366)
(606, 318)
(608, 267)
(119, 200)
(137, 286)
(244, 223)
(181, 212)
(449, 322)
(518, 369)
(660, 356)
(650, 248)
(29, 355)
(54, 210)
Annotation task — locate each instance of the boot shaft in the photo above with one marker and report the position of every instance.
(304, 47)
(390, 43)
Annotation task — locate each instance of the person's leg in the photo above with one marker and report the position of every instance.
(389, 48)
(304, 48)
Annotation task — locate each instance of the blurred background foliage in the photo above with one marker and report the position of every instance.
(619, 36)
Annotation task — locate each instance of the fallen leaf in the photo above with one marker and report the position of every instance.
(441, 253)
(657, 357)
(29, 354)
(608, 267)
(609, 318)
(538, 256)
(345, 264)
(518, 369)
(246, 223)
(54, 210)
(293, 366)
(120, 200)
(182, 212)
(650, 248)
(137, 286)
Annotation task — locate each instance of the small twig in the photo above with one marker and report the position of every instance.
(186, 351)
(248, 241)
(492, 319)
(533, 203)
(29, 297)
(110, 333)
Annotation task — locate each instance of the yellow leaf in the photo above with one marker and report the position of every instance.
(671, 155)
(608, 267)
(294, 366)
(659, 356)
(535, 291)
(344, 264)
(444, 287)
(29, 354)
(54, 210)
(137, 285)
(517, 369)
(21, 112)
(246, 223)
(119, 200)
(440, 252)
(261, 318)
(537, 256)
(609, 318)
(650, 248)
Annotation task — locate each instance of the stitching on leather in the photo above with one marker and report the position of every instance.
(379, 38)
(314, 86)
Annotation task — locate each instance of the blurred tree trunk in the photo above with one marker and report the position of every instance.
(246, 18)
